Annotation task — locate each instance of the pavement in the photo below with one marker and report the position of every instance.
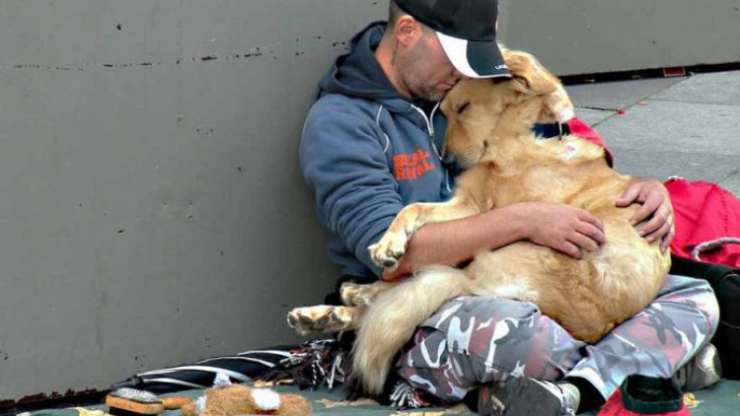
(669, 126)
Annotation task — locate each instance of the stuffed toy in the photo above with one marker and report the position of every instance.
(230, 400)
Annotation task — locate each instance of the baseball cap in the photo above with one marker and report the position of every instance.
(467, 32)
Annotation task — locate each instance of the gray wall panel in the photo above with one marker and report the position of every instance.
(151, 208)
(591, 36)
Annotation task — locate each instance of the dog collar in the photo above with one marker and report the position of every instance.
(550, 130)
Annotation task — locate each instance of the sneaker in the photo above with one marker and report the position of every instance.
(702, 370)
(640, 395)
(525, 397)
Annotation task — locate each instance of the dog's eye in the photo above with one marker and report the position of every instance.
(463, 107)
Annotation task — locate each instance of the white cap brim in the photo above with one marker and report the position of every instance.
(474, 59)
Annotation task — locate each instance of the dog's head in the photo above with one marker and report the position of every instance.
(482, 112)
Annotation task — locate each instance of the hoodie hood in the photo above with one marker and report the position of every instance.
(359, 74)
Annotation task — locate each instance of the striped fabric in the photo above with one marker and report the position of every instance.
(240, 368)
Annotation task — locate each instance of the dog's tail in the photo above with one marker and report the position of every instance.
(393, 317)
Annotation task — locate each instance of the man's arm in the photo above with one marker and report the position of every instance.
(342, 159)
(559, 226)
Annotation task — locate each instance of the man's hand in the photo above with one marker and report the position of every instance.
(656, 209)
(562, 227)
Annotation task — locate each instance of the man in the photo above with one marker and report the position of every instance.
(371, 145)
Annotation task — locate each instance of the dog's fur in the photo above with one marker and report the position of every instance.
(489, 131)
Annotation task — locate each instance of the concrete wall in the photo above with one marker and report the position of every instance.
(593, 36)
(151, 210)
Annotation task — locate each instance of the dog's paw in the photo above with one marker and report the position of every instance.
(310, 319)
(322, 318)
(349, 293)
(389, 251)
(361, 296)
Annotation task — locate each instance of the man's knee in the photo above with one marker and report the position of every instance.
(492, 337)
(709, 306)
(698, 296)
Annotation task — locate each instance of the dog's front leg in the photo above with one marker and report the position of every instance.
(388, 252)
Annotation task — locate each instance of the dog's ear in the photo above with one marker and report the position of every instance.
(520, 68)
(521, 84)
(528, 75)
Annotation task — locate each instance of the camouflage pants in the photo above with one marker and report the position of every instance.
(474, 340)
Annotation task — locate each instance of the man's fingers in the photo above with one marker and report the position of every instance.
(571, 250)
(658, 233)
(593, 232)
(646, 209)
(666, 243)
(658, 222)
(591, 219)
(584, 242)
(629, 196)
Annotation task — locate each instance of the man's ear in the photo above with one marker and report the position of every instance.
(406, 30)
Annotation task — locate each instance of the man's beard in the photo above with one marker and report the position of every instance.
(411, 72)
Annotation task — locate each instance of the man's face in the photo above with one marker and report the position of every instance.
(425, 70)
